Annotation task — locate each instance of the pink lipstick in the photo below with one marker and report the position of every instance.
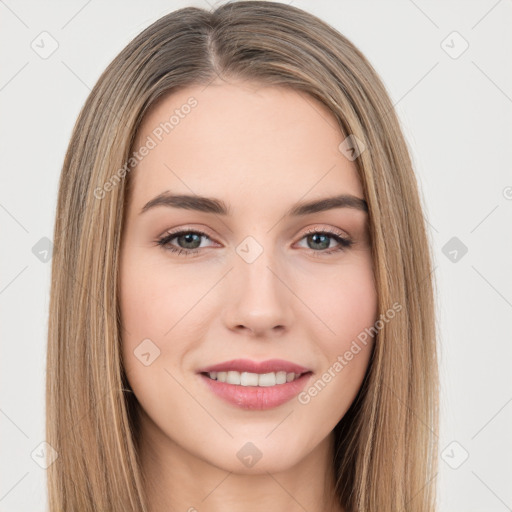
(256, 385)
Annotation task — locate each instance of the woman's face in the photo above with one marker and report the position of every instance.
(260, 281)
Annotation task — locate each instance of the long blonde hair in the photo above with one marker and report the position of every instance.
(385, 455)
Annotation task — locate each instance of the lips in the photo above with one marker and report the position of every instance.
(246, 365)
(279, 382)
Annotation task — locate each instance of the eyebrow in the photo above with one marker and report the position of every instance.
(219, 207)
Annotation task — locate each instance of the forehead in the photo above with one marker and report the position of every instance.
(244, 141)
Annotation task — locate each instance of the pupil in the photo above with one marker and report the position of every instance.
(189, 240)
(326, 239)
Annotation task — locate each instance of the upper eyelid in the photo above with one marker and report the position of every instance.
(173, 234)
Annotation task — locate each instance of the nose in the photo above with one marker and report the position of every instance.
(258, 297)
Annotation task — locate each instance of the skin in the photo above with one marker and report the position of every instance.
(242, 143)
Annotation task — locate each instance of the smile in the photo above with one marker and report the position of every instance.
(254, 385)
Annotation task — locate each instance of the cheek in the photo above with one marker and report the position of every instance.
(349, 309)
(157, 331)
(344, 305)
(165, 305)
(152, 301)
(156, 300)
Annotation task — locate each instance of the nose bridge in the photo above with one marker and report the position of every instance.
(259, 299)
(256, 264)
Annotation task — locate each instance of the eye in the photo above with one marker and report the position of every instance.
(319, 240)
(190, 241)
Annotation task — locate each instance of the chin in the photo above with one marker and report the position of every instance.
(257, 456)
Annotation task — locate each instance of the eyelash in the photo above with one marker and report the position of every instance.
(344, 243)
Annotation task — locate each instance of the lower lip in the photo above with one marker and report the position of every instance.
(257, 397)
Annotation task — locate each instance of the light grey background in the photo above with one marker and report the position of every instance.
(455, 114)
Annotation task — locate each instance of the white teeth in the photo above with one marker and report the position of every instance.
(233, 377)
(253, 379)
(267, 379)
(249, 379)
(280, 377)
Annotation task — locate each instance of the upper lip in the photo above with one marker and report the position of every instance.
(246, 365)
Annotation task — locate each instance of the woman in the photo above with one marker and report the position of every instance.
(242, 304)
